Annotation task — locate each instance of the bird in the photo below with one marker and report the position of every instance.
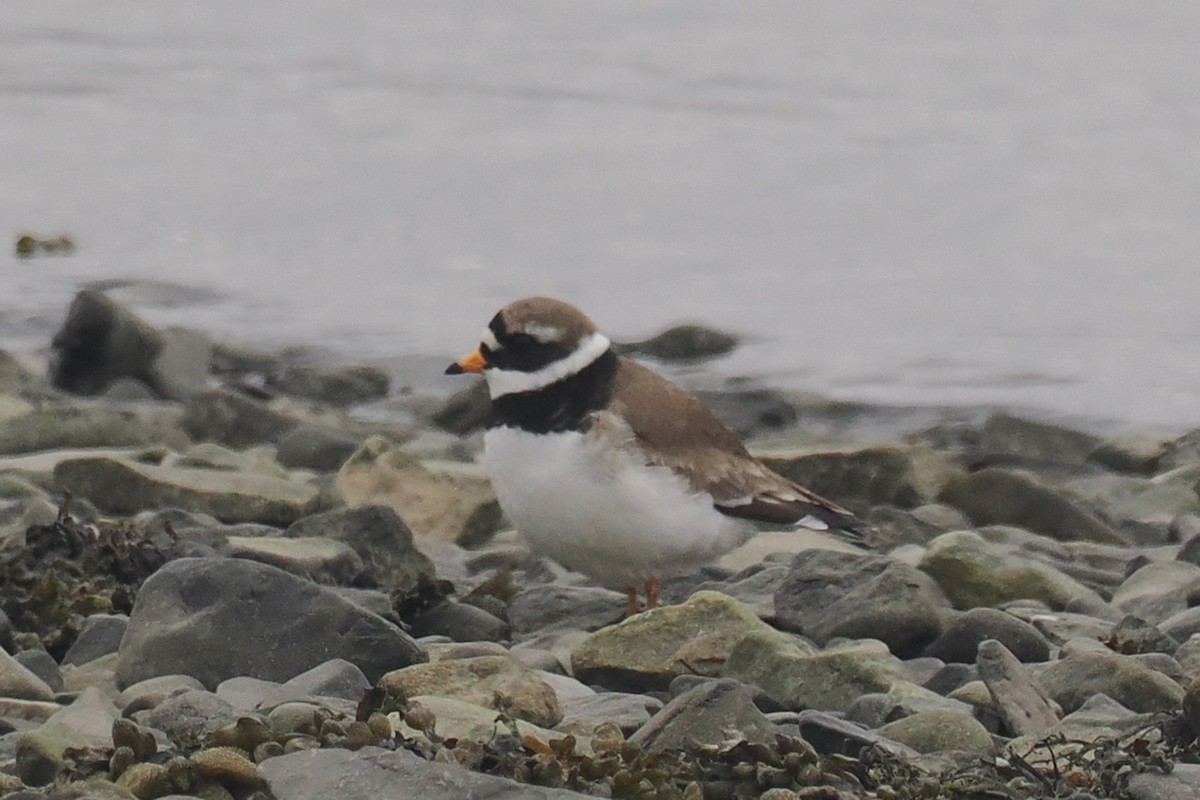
(610, 469)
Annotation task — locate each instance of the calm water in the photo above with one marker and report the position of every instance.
(920, 202)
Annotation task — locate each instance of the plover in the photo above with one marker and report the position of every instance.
(610, 469)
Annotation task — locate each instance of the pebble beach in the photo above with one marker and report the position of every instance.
(234, 574)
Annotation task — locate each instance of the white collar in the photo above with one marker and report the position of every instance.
(501, 382)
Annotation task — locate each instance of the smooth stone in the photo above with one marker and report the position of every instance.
(461, 622)
(794, 676)
(876, 709)
(828, 595)
(997, 496)
(315, 447)
(963, 633)
(1181, 783)
(245, 693)
(1183, 451)
(939, 731)
(439, 503)
(190, 714)
(99, 673)
(380, 538)
(41, 664)
(627, 711)
(712, 712)
(450, 650)
(1060, 627)
(497, 682)
(688, 342)
(833, 735)
(1134, 635)
(974, 572)
(1158, 590)
(460, 719)
(646, 651)
(126, 487)
(1022, 706)
(100, 635)
(1188, 656)
(1008, 439)
(1071, 680)
(1151, 500)
(216, 618)
(151, 692)
(316, 558)
(235, 420)
(1134, 453)
(334, 678)
(375, 774)
(19, 682)
(341, 387)
(61, 426)
(86, 723)
(536, 609)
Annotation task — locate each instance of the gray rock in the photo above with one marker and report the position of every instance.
(829, 594)
(1007, 439)
(707, 714)
(41, 664)
(893, 527)
(627, 711)
(876, 709)
(466, 410)
(492, 681)
(337, 387)
(188, 715)
(335, 678)
(149, 693)
(1181, 783)
(217, 618)
(1133, 453)
(1070, 681)
(832, 735)
(1190, 552)
(951, 677)
(962, 635)
(100, 635)
(58, 426)
(688, 342)
(749, 410)
(18, 681)
(382, 540)
(375, 774)
(556, 607)
(1134, 635)
(317, 448)
(234, 420)
(997, 496)
(461, 622)
(246, 693)
(939, 731)
(754, 587)
(86, 723)
(1158, 590)
(100, 341)
(313, 557)
(1182, 452)
(180, 369)
(126, 487)
(1022, 706)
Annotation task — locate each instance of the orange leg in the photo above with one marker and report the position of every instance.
(653, 590)
(633, 601)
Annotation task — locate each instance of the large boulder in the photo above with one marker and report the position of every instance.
(215, 618)
(100, 341)
(828, 594)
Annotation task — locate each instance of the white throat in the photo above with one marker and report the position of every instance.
(501, 382)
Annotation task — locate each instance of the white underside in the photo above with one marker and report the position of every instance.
(597, 509)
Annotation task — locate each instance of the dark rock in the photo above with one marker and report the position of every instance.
(382, 540)
(466, 410)
(749, 411)
(316, 448)
(951, 677)
(961, 638)
(892, 527)
(43, 665)
(904, 477)
(461, 622)
(684, 343)
(218, 618)
(1002, 497)
(1004, 439)
(1182, 452)
(1133, 635)
(829, 594)
(1022, 706)
(100, 341)
(340, 387)
(234, 420)
(100, 635)
(6, 633)
(375, 774)
(556, 607)
(1133, 454)
(832, 735)
(1190, 552)
(711, 712)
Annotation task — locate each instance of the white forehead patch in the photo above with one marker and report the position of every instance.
(489, 340)
(501, 381)
(546, 334)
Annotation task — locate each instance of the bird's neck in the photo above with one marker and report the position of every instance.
(565, 405)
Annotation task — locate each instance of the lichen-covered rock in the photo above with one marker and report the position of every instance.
(940, 731)
(648, 650)
(87, 722)
(1070, 681)
(960, 640)
(61, 426)
(497, 682)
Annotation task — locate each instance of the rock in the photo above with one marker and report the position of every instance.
(960, 640)
(19, 378)
(1181, 452)
(1022, 706)
(904, 477)
(215, 618)
(832, 735)
(1132, 453)
(379, 536)
(190, 714)
(939, 731)
(893, 527)
(754, 587)
(627, 711)
(145, 780)
(1060, 627)
(126, 487)
(335, 678)
(458, 719)
(792, 676)
(712, 712)
(556, 607)
(461, 622)
(491, 681)
(98, 673)
(1072, 680)
(41, 664)
(100, 635)
(58, 426)
(234, 420)
(315, 447)
(313, 557)
(151, 692)
(1158, 590)
(19, 682)
(974, 572)
(466, 410)
(749, 410)
(441, 505)
(180, 369)
(339, 387)
(1181, 783)
(100, 341)
(375, 774)
(903, 699)
(646, 651)
(1148, 502)
(1007, 439)
(87, 722)
(828, 595)
(684, 343)
(1133, 635)
(997, 496)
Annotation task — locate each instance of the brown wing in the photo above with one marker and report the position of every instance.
(678, 431)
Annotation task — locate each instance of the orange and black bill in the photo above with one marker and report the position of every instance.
(472, 363)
